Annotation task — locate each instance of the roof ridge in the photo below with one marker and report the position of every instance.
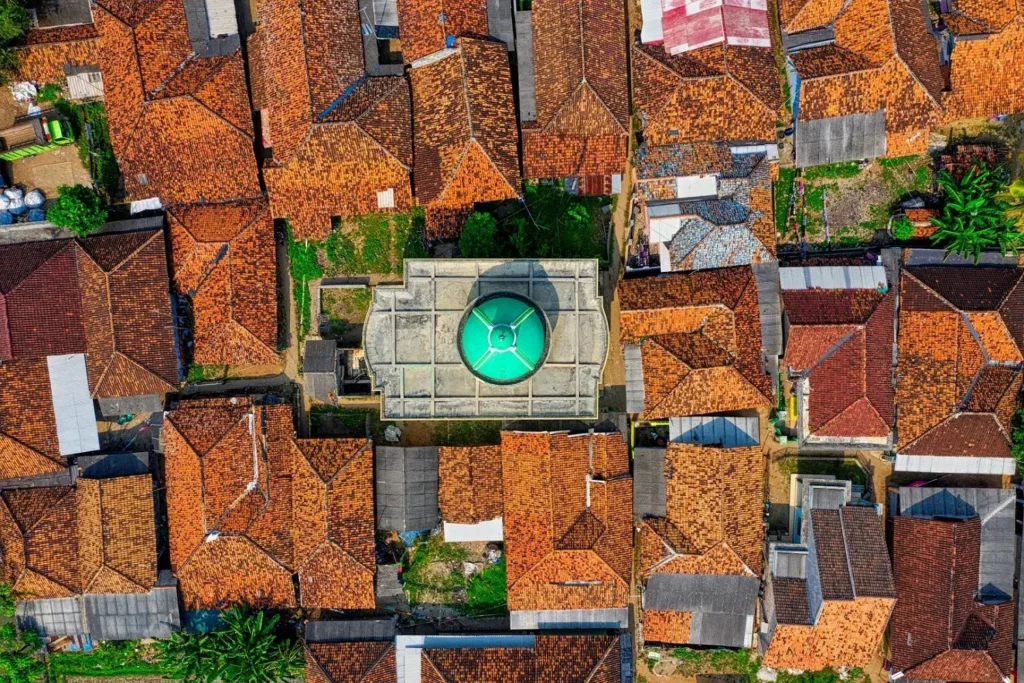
(729, 73)
(59, 250)
(846, 553)
(215, 113)
(604, 656)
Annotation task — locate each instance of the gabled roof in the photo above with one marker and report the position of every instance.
(882, 57)
(582, 93)
(939, 631)
(48, 51)
(465, 132)
(338, 135)
(567, 520)
(426, 25)
(249, 506)
(180, 123)
(712, 523)
(224, 264)
(841, 341)
(561, 659)
(469, 483)
(95, 537)
(960, 360)
(699, 335)
(106, 297)
(714, 93)
(351, 662)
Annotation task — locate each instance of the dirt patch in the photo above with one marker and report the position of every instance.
(342, 314)
(50, 170)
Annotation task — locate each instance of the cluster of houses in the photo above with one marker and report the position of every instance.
(361, 106)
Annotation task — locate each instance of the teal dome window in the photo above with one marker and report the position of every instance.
(503, 338)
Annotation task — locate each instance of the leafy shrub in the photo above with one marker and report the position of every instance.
(19, 658)
(842, 169)
(14, 21)
(479, 236)
(973, 218)
(902, 229)
(7, 600)
(783, 192)
(249, 647)
(77, 208)
(50, 92)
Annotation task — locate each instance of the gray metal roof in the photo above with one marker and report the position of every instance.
(648, 482)
(995, 507)
(130, 405)
(634, 379)
(938, 257)
(524, 58)
(54, 617)
(72, 404)
(832, 277)
(133, 616)
(842, 138)
(406, 487)
(64, 477)
(728, 432)
(556, 619)
(722, 606)
(825, 497)
(350, 630)
(789, 563)
(769, 305)
(112, 465)
(792, 42)
(50, 14)
(320, 355)
(321, 386)
(499, 22)
(413, 354)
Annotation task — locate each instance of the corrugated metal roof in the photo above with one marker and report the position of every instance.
(634, 379)
(722, 606)
(320, 355)
(833, 277)
(789, 564)
(842, 138)
(995, 507)
(524, 59)
(613, 618)
(406, 487)
(54, 617)
(72, 404)
(350, 630)
(649, 482)
(769, 305)
(728, 432)
(133, 616)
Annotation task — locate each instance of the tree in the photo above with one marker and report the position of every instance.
(246, 648)
(78, 208)
(19, 655)
(8, 600)
(973, 219)
(479, 236)
(902, 229)
(1013, 196)
(14, 20)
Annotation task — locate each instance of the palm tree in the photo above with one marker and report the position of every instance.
(973, 219)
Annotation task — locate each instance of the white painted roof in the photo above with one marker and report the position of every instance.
(72, 404)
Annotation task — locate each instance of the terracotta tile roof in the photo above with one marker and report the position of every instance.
(47, 51)
(581, 87)
(713, 521)
(791, 601)
(465, 132)
(847, 634)
(96, 537)
(224, 264)
(426, 24)
(351, 662)
(179, 123)
(845, 359)
(959, 369)
(469, 484)
(561, 659)
(883, 57)
(337, 135)
(104, 296)
(688, 326)
(735, 90)
(997, 61)
(266, 509)
(568, 523)
(939, 632)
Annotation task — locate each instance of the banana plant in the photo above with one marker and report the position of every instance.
(974, 218)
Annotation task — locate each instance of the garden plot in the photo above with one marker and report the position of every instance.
(849, 203)
(342, 314)
(467, 576)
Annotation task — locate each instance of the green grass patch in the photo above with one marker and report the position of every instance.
(487, 592)
(110, 658)
(855, 675)
(205, 373)
(346, 311)
(341, 421)
(783, 193)
(887, 162)
(841, 469)
(702, 662)
(432, 572)
(467, 433)
(375, 243)
(96, 155)
(304, 266)
(843, 169)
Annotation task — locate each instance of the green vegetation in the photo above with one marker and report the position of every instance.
(19, 655)
(479, 236)
(375, 243)
(249, 647)
(340, 421)
(8, 600)
(735, 662)
(49, 93)
(467, 433)
(77, 208)
(304, 267)
(842, 169)
(855, 675)
(94, 149)
(902, 229)
(205, 373)
(973, 218)
(1013, 196)
(14, 21)
(783, 194)
(345, 309)
(1017, 438)
(432, 573)
(109, 658)
(842, 469)
(410, 239)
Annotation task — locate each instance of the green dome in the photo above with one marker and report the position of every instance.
(503, 338)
